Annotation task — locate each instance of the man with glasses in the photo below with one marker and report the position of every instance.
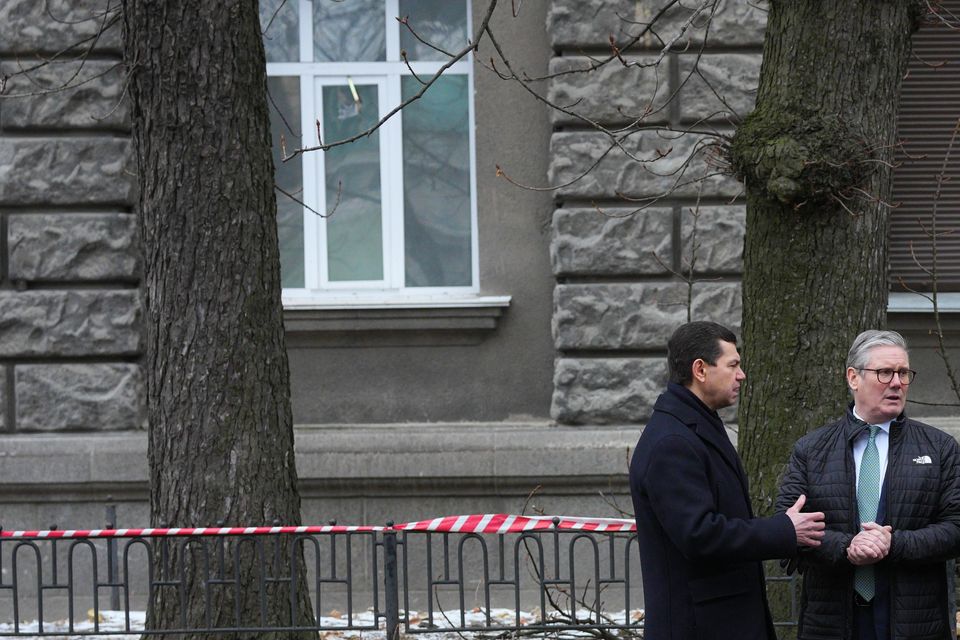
(889, 487)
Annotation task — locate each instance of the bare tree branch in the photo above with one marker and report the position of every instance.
(330, 213)
(108, 18)
(405, 21)
(471, 46)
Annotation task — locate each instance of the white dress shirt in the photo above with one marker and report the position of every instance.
(883, 446)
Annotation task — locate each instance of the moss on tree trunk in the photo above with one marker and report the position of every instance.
(815, 161)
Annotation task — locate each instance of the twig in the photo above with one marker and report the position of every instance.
(405, 21)
(308, 207)
(934, 404)
(471, 46)
(611, 501)
(109, 18)
(941, 347)
(436, 596)
(273, 17)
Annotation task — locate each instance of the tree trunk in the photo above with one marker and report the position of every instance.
(815, 158)
(218, 391)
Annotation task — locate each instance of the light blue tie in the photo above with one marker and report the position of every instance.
(868, 499)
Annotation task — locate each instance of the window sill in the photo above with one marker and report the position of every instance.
(912, 316)
(427, 320)
(906, 302)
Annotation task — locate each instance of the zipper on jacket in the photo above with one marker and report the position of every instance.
(892, 451)
(855, 523)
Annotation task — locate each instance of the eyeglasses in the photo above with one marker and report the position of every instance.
(885, 376)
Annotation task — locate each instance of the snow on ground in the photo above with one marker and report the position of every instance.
(420, 625)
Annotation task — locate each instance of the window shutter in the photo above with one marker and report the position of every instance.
(929, 110)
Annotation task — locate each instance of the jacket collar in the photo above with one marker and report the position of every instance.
(852, 426)
(686, 407)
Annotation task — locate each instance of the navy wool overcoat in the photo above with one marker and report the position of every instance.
(700, 546)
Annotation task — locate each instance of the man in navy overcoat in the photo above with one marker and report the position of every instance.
(700, 546)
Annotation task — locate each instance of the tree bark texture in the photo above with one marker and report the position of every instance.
(218, 390)
(815, 158)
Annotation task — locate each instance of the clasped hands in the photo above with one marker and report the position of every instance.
(870, 545)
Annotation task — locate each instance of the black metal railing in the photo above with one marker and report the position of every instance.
(573, 579)
(380, 578)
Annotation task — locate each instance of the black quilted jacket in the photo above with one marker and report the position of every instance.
(922, 502)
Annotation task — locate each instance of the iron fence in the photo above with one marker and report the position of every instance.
(574, 580)
(359, 578)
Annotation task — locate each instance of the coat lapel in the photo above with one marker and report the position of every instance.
(701, 424)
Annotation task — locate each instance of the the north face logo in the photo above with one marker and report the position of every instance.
(922, 460)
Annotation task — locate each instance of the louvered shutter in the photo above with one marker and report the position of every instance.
(929, 110)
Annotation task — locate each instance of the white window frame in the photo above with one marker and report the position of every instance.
(318, 291)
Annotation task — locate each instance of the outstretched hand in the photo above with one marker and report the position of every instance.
(808, 526)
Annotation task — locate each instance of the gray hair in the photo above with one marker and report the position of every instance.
(859, 354)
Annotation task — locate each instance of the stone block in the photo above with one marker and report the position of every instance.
(360, 456)
(70, 247)
(719, 239)
(121, 457)
(662, 164)
(613, 93)
(606, 390)
(62, 463)
(591, 23)
(27, 460)
(86, 511)
(480, 451)
(65, 171)
(53, 25)
(719, 302)
(69, 323)
(725, 87)
(637, 315)
(94, 397)
(535, 454)
(86, 96)
(611, 241)
(617, 316)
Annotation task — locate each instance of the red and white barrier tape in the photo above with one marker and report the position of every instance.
(180, 531)
(501, 523)
(479, 523)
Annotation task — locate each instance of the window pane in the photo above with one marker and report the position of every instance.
(280, 25)
(436, 190)
(284, 100)
(354, 230)
(442, 23)
(349, 31)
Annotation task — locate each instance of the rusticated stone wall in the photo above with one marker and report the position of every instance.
(69, 322)
(618, 296)
(70, 327)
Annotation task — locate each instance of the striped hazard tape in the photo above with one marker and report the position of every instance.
(477, 523)
(501, 523)
(182, 531)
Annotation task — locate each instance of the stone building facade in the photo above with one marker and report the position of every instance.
(620, 273)
(402, 412)
(70, 336)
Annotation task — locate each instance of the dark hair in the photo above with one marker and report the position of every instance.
(692, 341)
